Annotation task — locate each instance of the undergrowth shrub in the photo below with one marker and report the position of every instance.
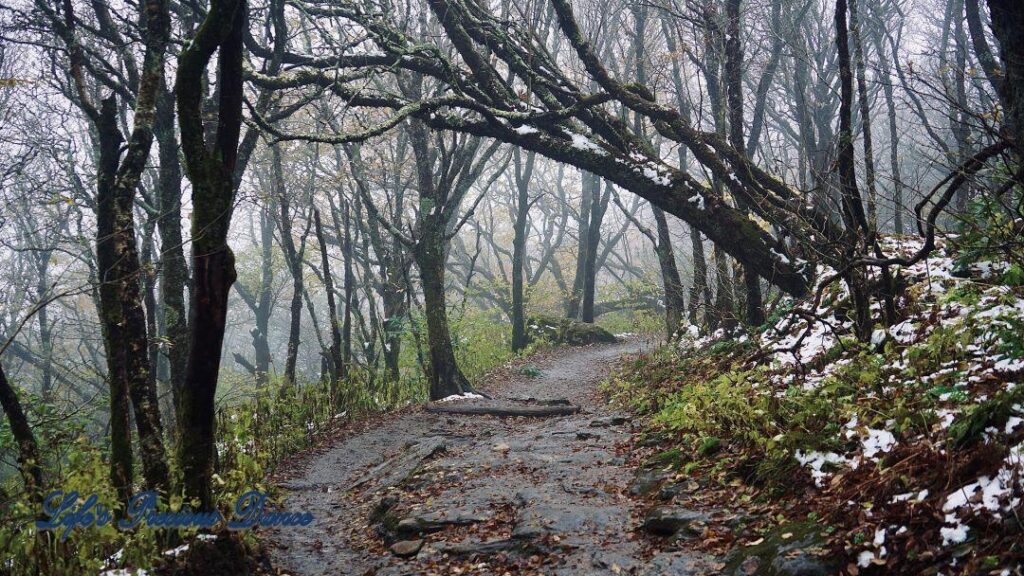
(717, 396)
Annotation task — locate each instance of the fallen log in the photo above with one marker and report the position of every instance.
(506, 411)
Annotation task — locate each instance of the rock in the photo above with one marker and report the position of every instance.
(750, 566)
(672, 520)
(501, 447)
(482, 548)
(647, 481)
(609, 421)
(583, 435)
(407, 548)
(566, 519)
(679, 564)
(800, 553)
(802, 563)
(568, 331)
(435, 521)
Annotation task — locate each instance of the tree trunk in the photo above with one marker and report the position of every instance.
(723, 313)
(29, 463)
(334, 362)
(853, 208)
(173, 269)
(444, 375)
(597, 210)
(981, 50)
(583, 244)
(123, 316)
(148, 279)
(700, 293)
(959, 113)
(121, 469)
(430, 250)
(1007, 22)
(523, 173)
(734, 90)
(890, 106)
(725, 304)
(865, 113)
(294, 258)
(675, 301)
(45, 332)
(346, 324)
(213, 263)
(262, 302)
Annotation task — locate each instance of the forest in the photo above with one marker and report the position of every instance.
(511, 287)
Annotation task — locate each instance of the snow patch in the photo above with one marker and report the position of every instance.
(877, 441)
(465, 396)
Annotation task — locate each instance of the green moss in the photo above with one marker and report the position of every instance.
(567, 331)
(672, 457)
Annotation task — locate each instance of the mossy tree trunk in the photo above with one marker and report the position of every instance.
(444, 374)
(122, 314)
(173, 268)
(437, 196)
(213, 264)
(1007, 23)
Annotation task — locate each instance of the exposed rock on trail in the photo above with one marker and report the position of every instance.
(496, 494)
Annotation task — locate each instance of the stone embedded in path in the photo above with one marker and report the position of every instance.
(436, 521)
(484, 548)
(407, 548)
(609, 421)
(672, 520)
(647, 480)
(680, 564)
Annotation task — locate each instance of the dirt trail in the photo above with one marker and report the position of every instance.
(497, 494)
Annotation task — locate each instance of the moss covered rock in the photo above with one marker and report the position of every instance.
(568, 331)
(796, 549)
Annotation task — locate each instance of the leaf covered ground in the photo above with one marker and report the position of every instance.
(905, 453)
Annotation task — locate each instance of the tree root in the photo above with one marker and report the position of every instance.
(507, 411)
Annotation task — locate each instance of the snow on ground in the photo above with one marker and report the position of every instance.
(997, 494)
(464, 396)
(966, 304)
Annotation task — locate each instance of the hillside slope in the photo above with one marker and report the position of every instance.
(906, 453)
